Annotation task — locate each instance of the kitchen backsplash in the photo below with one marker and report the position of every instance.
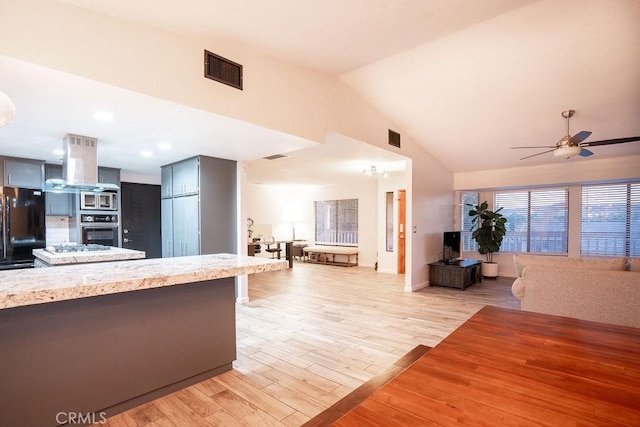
(57, 229)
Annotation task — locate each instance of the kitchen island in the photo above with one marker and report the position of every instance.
(97, 339)
(49, 258)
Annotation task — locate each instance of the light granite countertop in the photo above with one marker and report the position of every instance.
(113, 254)
(42, 285)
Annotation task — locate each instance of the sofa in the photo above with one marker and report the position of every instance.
(600, 290)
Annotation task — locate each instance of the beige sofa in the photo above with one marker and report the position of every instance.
(601, 290)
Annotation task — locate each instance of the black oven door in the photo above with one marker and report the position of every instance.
(107, 236)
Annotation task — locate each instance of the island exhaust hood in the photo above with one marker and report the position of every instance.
(79, 167)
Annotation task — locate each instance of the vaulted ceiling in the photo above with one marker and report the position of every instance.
(467, 79)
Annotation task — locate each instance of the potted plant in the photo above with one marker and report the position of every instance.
(488, 231)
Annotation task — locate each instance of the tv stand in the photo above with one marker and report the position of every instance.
(461, 274)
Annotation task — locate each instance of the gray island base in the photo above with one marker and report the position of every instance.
(97, 356)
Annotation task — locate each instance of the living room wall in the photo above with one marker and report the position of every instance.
(276, 95)
(572, 173)
(274, 205)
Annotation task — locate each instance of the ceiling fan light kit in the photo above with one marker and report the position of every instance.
(566, 152)
(571, 146)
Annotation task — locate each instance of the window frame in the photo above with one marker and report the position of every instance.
(531, 241)
(630, 235)
(340, 222)
(468, 244)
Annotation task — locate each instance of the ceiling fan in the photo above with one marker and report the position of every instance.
(570, 146)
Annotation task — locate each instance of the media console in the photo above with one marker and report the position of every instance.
(460, 274)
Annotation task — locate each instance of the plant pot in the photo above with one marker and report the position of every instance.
(490, 269)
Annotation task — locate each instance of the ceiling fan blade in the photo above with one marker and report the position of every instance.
(544, 152)
(580, 136)
(610, 141)
(537, 146)
(585, 153)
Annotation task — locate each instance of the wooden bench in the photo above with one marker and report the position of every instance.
(320, 254)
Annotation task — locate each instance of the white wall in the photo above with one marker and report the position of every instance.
(388, 261)
(276, 95)
(571, 173)
(574, 170)
(275, 204)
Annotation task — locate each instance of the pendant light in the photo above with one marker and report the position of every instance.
(7, 109)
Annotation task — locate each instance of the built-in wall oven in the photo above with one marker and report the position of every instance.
(99, 229)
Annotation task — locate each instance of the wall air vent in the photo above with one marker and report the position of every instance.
(222, 70)
(394, 138)
(275, 156)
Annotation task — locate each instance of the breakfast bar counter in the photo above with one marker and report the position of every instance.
(37, 286)
(92, 340)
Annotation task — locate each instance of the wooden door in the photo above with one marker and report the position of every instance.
(141, 218)
(402, 226)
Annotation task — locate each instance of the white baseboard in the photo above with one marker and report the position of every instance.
(417, 286)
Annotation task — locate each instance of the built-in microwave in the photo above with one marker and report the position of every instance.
(106, 201)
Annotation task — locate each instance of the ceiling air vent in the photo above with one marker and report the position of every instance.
(394, 138)
(275, 156)
(222, 70)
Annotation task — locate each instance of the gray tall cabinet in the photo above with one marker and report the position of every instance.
(199, 207)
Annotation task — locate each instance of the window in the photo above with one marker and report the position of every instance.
(468, 244)
(337, 221)
(610, 220)
(537, 220)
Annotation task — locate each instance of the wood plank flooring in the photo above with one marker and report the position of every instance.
(359, 395)
(310, 336)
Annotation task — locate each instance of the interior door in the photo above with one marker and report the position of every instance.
(141, 218)
(402, 226)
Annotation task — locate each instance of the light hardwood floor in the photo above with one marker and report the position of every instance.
(311, 335)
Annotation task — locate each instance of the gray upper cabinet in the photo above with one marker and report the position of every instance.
(109, 176)
(58, 204)
(23, 173)
(186, 177)
(199, 207)
(166, 182)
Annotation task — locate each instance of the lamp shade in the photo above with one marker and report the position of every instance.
(567, 152)
(7, 109)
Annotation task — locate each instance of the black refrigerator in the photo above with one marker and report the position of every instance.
(23, 226)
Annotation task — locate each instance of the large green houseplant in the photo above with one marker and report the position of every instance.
(488, 230)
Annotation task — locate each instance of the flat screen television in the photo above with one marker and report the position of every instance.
(451, 246)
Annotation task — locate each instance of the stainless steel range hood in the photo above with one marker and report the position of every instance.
(79, 167)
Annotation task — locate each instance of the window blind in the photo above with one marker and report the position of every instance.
(337, 221)
(537, 220)
(610, 223)
(468, 244)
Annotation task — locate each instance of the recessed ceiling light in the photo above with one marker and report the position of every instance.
(164, 146)
(58, 152)
(104, 116)
(146, 153)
